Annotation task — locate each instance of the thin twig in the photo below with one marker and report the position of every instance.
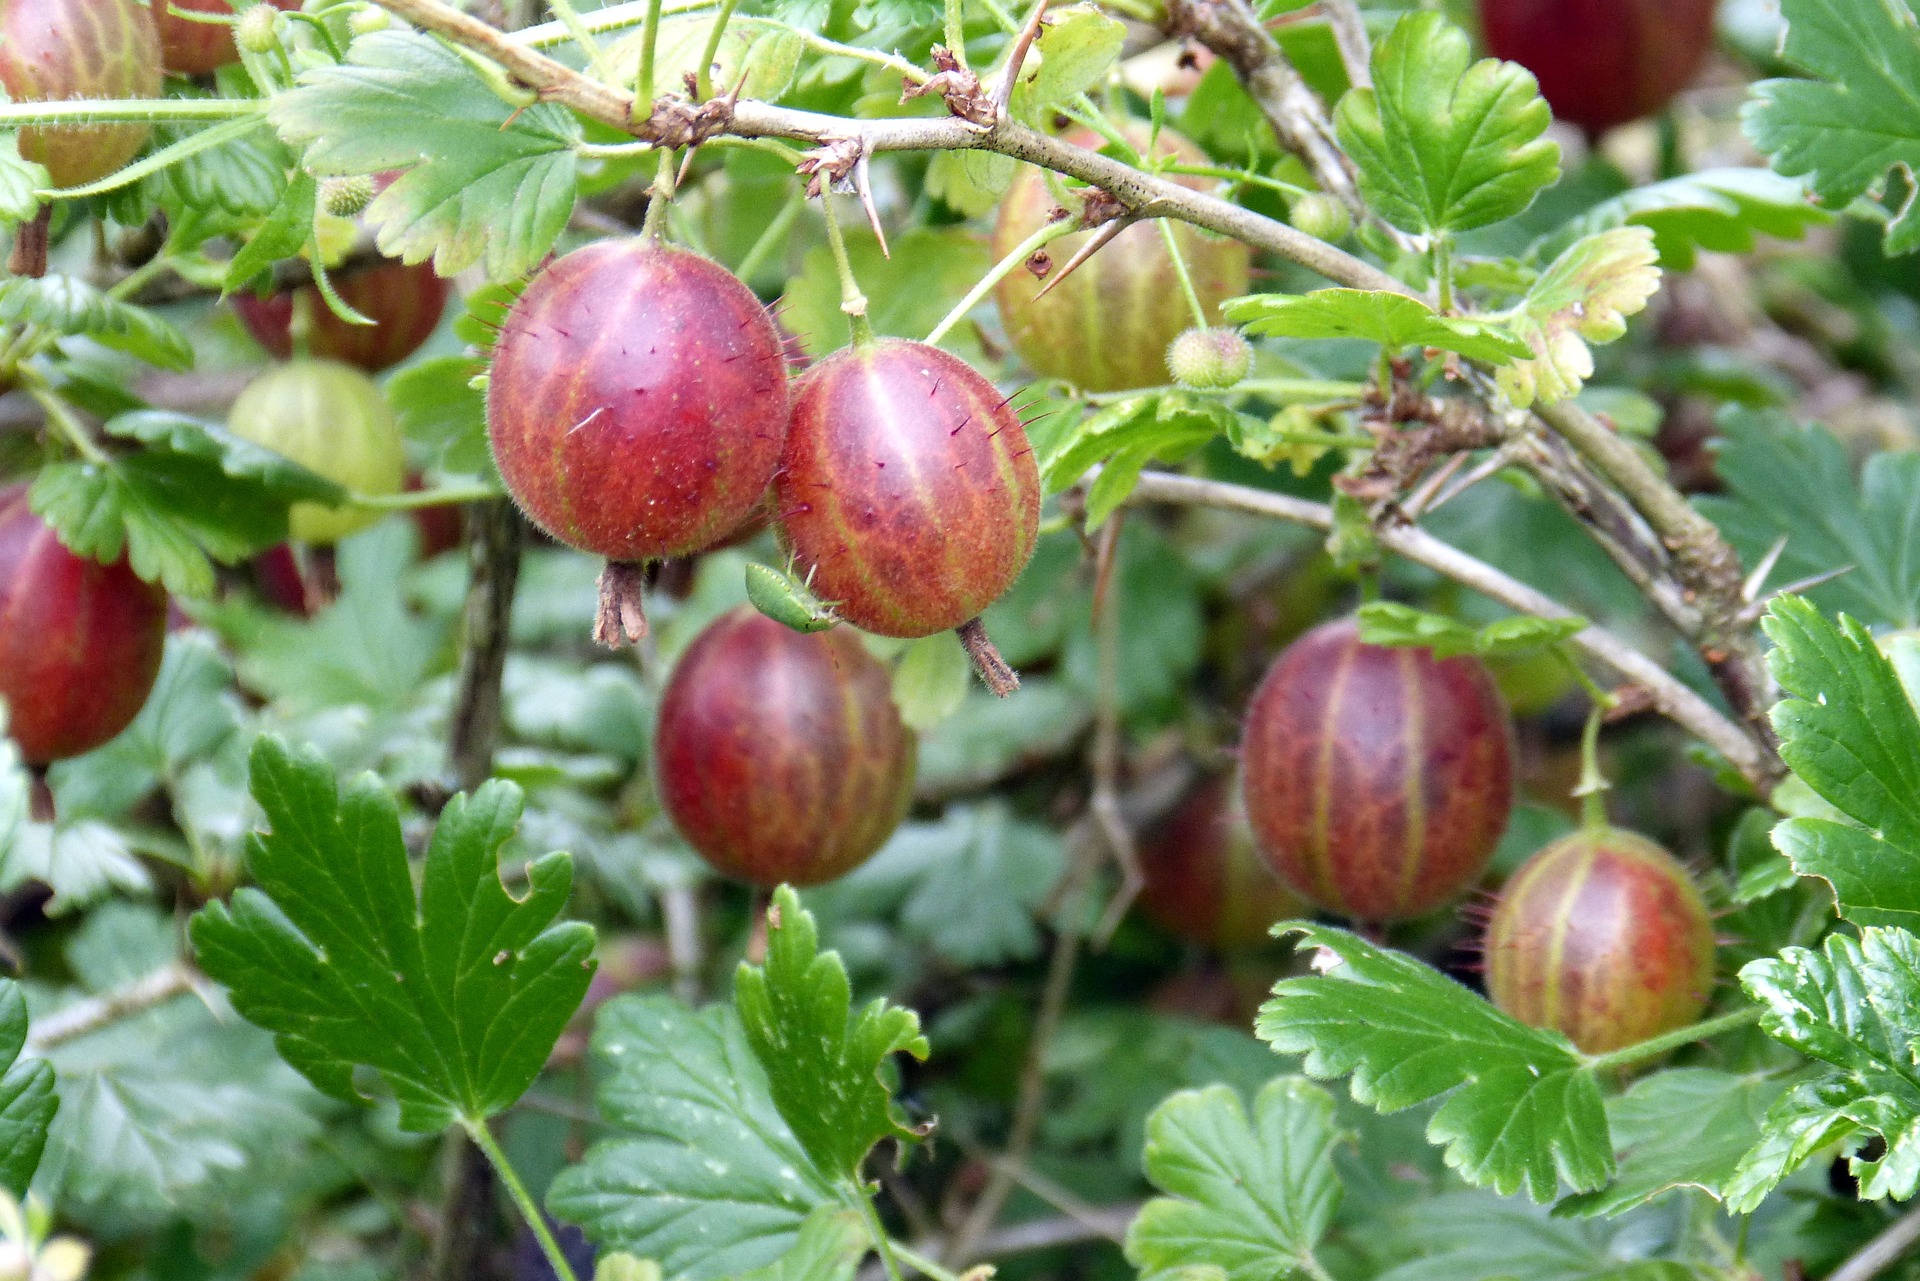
(1105, 801)
(1003, 92)
(1350, 36)
(1873, 1258)
(1670, 697)
(95, 1014)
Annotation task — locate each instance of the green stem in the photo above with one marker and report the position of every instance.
(326, 35)
(510, 1180)
(1292, 189)
(1001, 18)
(1593, 784)
(1301, 390)
(61, 416)
(704, 71)
(91, 111)
(1312, 1267)
(1181, 273)
(654, 224)
(1020, 253)
(956, 31)
(137, 279)
(1705, 1030)
(1443, 270)
(643, 88)
(570, 19)
(614, 17)
(922, 1264)
(881, 1241)
(443, 496)
(852, 301)
(774, 237)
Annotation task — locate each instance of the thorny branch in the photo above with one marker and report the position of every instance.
(1689, 569)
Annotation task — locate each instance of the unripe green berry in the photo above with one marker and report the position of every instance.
(347, 196)
(1209, 358)
(257, 30)
(364, 22)
(1321, 216)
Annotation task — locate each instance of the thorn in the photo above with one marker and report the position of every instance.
(1751, 614)
(1003, 92)
(1098, 241)
(863, 184)
(1750, 590)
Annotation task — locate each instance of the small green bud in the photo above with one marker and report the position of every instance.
(1209, 358)
(364, 22)
(1321, 216)
(345, 197)
(258, 29)
(625, 1267)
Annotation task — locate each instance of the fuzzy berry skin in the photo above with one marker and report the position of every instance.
(638, 401)
(1377, 780)
(1107, 326)
(1603, 936)
(189, 48)
(80, 641)
(52, 50)
(781, 755)
(1601, 63)
(908, 490)
(1204, 881)
(404, 301)
(331, 419)
(1209, 358)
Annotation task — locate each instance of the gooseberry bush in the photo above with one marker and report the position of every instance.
(1216, 640)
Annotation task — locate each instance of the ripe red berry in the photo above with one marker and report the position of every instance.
(332, 419)
(908, 491)
(1603, 936)
(1602, 63)
(637, 407)
(1377, 780)
(1108, 325)
(1204, 879)
(781, 755)
(404, 302)
(52, 50)
(80, 641)
(190, 48)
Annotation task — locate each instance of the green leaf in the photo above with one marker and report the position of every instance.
(699, 1170)
(1584, 297)
(1393, 320)
(1682, 1128)
(82, 861)
(484, 179)
(1719, 210)
(931, 679)
(286, 230)
(831, 1244)
(27, 1100)
(1519, 1109)
(759, 56)
(828, 1068)
(1855, 118)
(241, 460)
(455, 996)
(988, 738)
(1855, 1004)
(1391, 623)
(1073, 53)
(69, 307)
(1444, 143)
(1464, 1236)
(1248, 1196)
(439, 409)
(1785, 479)
(180, 1109)
(19, 179)
(1849, 731)
(969, 885)
(1127, 435)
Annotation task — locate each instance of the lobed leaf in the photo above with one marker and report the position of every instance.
(69, 307)
(1124, 437)
(454, 996)
(1585, 296)
(698, 1170)
(1248, 1195)
(1518, 1108)
(1718, 210)
(484, 179)
(827, 1067)
(1392, 623)
(1395, 321)
(1444, 143)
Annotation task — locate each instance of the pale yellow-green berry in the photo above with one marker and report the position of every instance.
(1209, 359)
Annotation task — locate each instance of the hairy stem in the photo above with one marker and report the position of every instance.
(510, 1180)
(1707, 1029)
(852, 301)
(644, 86)
(1047, 232)
(84, 1018)
(1181, 274)
(1873, 1258)
(703, 71)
